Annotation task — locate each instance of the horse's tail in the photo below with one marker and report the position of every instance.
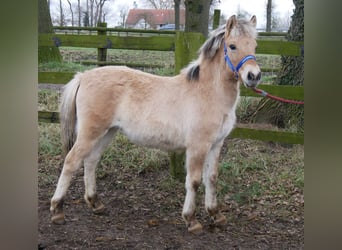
(68, 115)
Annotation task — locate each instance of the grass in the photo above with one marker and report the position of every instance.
(48, 100)
(123, 153)
(269, 61)
(63, 67)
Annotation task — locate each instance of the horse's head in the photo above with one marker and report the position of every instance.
(239, 48)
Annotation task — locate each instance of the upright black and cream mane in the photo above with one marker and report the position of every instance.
(210, 47)
(207, 51)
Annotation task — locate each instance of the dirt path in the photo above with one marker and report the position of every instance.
(144, 212)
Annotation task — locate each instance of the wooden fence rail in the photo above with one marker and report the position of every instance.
(285, 91)
(160, 43)
(238, 132)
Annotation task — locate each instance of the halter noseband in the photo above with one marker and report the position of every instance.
(231, 65)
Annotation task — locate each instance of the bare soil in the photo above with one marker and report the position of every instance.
(143, 211)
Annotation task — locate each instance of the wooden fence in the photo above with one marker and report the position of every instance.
(185, 46)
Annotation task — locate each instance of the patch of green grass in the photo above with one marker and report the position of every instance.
(268, 78)
(124, 153)
(162, 58)
(246, 106)
(251, 171)
(48, 100)
(49, 139)
(63, 67)
(163, 71)
(269, 61)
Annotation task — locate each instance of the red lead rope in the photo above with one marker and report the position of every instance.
(265, 94)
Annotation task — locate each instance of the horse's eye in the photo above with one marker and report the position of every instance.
(232, 47)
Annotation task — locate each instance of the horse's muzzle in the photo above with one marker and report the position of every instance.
(252, 79)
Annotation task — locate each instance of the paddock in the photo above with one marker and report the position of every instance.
(251, 206)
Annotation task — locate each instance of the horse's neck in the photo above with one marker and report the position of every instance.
(220, 80)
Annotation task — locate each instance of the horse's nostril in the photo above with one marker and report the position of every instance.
(250, 76)
(258, 77)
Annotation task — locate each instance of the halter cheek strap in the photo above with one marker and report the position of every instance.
(231, 65)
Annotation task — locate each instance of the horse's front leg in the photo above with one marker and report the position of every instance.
(210, 175)
(194, 165)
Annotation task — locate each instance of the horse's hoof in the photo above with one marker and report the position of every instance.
(195, 227)
(58, 219)
(99, 209)
(95, 204)
(220, 220)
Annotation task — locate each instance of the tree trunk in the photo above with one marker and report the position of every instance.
(79, 12)
(291, 73)
(46, 54)
(269, 16)
(197, 16)
(72, 13)
(91, 13)
(61, 14)
(292, 70)
(177, 7)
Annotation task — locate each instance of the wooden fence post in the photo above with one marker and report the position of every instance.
(101, 52)
(216, 19)
(186, 47)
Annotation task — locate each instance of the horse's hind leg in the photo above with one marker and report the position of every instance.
(210, 175)
(73, 162)
(90, 164)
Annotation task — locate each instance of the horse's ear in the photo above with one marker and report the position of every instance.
(231, 22)
(253, 20)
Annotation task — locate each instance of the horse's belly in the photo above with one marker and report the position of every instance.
(166, 139)
(158, 142)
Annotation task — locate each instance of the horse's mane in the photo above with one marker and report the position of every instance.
(210, 47)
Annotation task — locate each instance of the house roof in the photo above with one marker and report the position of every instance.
(154, 17)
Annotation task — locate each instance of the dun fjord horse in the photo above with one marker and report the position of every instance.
(192, 112)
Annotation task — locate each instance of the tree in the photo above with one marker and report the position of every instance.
(79, 10)
(177, 10)
(291, 73)
(99, 14)
(159, 4)
(86, 19)
(123, 12)
(95, 11)
(197, 16)
(292, 70)
(269, 16)
(72, 13)
(241, 13)
(46, 54)
(91, 7)
(61, 14)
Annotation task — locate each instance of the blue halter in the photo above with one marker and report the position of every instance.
(230, 64)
